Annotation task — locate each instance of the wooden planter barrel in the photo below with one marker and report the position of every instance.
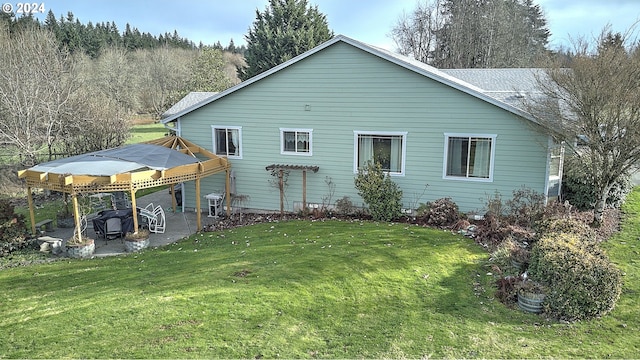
(530, 302)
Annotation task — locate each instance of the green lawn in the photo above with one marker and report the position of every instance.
(146, 132)
(300, 289)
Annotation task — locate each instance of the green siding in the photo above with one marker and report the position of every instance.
(348, 89)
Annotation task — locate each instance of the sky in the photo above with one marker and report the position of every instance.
(369, 21)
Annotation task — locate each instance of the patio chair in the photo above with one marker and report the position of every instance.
(157, 223)
(147, 214)
(112, 228)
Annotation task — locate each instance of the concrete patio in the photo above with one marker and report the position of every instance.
(178, 225)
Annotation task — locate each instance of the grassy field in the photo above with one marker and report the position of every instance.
(301, 289)
(146, 132)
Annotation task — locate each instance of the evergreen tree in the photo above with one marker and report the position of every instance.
(51, 24)
(207, 71)
(490, 34)
(284, 30)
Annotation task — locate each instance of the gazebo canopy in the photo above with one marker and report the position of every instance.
(135, 166)
(166, 161)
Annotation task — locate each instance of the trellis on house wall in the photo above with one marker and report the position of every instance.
(279, 170)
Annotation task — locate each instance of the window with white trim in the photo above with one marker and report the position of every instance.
(469, 156)
(386, 148)
(227, 141)
(556, 158)
(296, 141)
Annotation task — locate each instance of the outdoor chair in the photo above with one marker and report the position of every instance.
(112, 228)
(147, 214)
(157, 223)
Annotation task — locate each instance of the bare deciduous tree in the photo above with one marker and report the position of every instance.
(113, 74)
(415, 34)
(597, 99)
(164, 78)
(98, 122)
(36, 82)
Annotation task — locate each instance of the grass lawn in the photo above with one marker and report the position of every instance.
(145, 132)
(300, 289)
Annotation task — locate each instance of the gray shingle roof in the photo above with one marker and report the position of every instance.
(191, 100)
(510, 86)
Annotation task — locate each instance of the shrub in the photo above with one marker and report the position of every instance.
(578, 186)
(382, 196)
(583, 283)
(564, 225)
(442, 213)
(525, 207)
(345, 206)
(12, 229)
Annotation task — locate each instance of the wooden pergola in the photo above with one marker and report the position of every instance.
(131, 181)
(279, 169)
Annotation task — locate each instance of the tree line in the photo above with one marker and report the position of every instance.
(92, 39)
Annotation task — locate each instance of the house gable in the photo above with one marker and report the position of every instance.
(344, 90)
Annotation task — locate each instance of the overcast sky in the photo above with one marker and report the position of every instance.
(369, 21)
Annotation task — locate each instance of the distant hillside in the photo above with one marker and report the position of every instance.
(92, 39)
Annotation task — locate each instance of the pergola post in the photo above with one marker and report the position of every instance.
(198, 210)
(304, 190)
(76, 214)
(174, 203)
(32, 213)
(134, 210)
(228, 191)
(281, 182)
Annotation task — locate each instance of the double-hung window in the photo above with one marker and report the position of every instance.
(296, 141)
(227, 141)
(469, 156)
(386, 148)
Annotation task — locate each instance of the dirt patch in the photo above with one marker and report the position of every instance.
(242, 273)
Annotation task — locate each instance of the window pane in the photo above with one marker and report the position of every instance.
(227, 142)
(479, 158)
(232, 142)
(386, 150)
(457, 156)
(469, 157)
(221, 141)
(289, 140)
(303, 142)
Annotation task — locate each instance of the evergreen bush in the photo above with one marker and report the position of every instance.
(382, 196)
(582, 282)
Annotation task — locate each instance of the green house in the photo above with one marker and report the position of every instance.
(460, 134)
